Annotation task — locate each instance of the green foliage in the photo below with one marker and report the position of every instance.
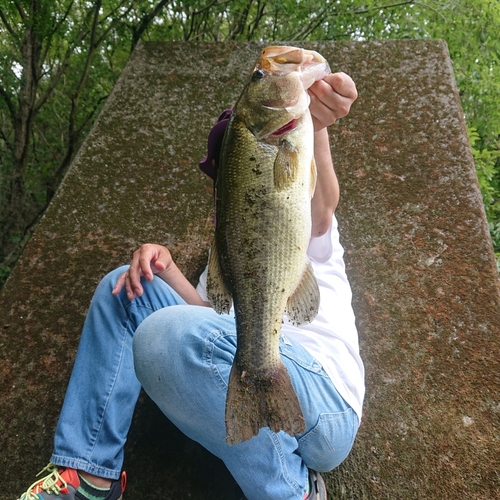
(486, 161)
(59, 59)
(472, 34)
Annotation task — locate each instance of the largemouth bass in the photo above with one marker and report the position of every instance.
(265, 181)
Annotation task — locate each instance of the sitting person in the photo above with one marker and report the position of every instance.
(148, 326)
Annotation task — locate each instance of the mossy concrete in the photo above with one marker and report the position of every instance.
(418, 253)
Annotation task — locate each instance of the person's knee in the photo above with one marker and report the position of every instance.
(157, 338)
(174, 338)
(175, 350)
(327, 444)
(108, 282)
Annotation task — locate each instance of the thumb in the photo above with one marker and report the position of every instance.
(159, 265)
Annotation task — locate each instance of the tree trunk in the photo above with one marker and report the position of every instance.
(15, 217)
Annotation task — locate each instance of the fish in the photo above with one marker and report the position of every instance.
(258, 261)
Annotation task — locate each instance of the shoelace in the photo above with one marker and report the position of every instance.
(48, 483)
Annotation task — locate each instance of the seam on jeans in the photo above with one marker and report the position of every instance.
(96, 431)
(276, 439)
(210, 341)
(313, 366)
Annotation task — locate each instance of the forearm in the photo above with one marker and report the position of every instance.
(173, 276)
(331, 99)
(327, 193)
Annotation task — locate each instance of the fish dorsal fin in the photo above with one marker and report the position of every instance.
(314, 176)
(217, 292)
(303, 305)
(286, 165)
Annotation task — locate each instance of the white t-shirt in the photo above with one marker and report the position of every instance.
(331, 338)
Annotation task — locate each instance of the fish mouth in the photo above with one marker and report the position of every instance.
(285, 128)
(282, 60)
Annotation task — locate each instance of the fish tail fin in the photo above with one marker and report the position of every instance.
(256, 401)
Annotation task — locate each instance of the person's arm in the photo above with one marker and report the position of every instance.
(327, 192)
(151, 259)
(331, 99)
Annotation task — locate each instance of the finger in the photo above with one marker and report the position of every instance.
(329, 96)
(146, 260)
(120, 282)
(133, 278)
(131, 291)
(159, 265)
(327, 105)
(326, 110)
(322, 116)
(342, 84)
(159, 260)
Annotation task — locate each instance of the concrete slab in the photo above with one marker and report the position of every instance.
(419, 257)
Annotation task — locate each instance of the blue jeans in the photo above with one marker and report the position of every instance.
(183, 355)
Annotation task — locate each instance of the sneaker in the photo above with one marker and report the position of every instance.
(62, 483)
(318, 488)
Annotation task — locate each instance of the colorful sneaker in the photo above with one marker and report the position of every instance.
(318, 488)
(62, 484)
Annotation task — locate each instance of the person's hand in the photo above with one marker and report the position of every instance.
(331, 99)
(148, 260)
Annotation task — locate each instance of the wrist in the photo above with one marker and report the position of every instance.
(171, 270)
(321, 143)
(321, 133)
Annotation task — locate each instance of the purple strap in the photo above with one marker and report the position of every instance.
(210, 162)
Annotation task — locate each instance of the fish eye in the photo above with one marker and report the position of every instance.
(258, 75)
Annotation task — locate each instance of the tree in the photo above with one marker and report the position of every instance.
(59, 60)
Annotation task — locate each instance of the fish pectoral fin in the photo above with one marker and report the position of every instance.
(314, 176)
(303, 305)
(217, 292)
(286, 165)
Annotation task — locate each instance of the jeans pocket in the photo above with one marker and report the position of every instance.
(300, 356)
(329, 442)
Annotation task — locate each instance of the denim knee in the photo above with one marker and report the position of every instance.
(108, 282)
(329, 442)
(181, 342)
(160, 340)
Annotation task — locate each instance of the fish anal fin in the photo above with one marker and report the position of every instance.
(254, 402)
(303, 305)
(217, 291)
(286, 165)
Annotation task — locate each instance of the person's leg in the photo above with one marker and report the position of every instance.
(183, 357)
(103, 388)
